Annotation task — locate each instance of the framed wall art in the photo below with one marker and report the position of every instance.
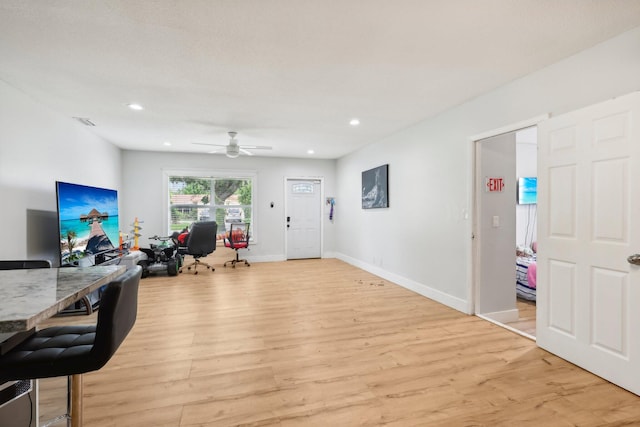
(375, 188)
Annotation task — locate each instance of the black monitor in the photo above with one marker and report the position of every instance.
(87, 223)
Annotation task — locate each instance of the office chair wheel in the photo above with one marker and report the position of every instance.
(195, 272)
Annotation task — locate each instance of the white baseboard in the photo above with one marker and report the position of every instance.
(419, 288)
(505, 316)
(266, 258)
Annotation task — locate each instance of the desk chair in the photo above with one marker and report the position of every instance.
(73, 350)
(238, 238)
(200, 243)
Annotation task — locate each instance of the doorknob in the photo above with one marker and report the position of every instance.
(634, 259)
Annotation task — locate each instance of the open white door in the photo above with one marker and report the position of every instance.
(589, 223)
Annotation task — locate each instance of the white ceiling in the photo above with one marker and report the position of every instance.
(284, 73)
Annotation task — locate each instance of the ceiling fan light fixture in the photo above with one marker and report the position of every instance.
(233, 151)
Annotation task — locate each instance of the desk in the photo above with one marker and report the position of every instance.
(28, 297)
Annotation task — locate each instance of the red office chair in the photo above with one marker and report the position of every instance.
(237, 238)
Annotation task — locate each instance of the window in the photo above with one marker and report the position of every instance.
(303, 187)
(224, 199)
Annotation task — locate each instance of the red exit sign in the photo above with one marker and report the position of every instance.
(494, 184)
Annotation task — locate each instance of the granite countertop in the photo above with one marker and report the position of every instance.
(28, 297)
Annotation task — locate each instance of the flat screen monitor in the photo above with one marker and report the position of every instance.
(87, 222)
(527, 190)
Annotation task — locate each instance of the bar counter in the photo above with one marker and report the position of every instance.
(30, 296)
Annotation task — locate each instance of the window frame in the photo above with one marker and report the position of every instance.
(249, 175)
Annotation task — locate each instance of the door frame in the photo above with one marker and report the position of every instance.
(286, 199)
(473, 270)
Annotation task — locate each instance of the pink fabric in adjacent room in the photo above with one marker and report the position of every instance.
(531, 274)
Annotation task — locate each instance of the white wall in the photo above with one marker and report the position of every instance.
(37, 148)
(526, 165)
(423, 241)
(496, 230)
(142, 194)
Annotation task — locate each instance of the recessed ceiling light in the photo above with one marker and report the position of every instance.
(136, 107)
(166, 144)
(354, 122)
(310, 152)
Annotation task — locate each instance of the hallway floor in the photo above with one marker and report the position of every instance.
(527, 317)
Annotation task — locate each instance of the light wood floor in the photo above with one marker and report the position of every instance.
(321, 343)
(526, 317)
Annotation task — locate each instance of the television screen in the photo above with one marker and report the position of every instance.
(527, 190)
(87, 222)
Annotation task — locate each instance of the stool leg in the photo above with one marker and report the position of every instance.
(87, 305)
(69, 401)
(76, 400)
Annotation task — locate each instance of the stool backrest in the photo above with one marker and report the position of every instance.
(117, 314)
(19, 264)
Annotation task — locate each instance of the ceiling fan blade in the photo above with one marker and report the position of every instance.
(256, 147)
(248, 153)
(210, 145)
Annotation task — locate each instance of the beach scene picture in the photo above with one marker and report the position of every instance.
(88, 220)
(528, 191)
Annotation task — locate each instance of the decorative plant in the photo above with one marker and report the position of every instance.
(71, 243)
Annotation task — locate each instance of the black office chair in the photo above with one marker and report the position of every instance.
(74, 350)
(200, 243)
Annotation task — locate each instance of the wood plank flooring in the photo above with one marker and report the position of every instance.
(322, 343)
(526, 317)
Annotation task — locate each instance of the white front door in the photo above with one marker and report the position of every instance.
(589, 223)
(303, 217)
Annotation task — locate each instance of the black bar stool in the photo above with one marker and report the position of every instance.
(73, 350)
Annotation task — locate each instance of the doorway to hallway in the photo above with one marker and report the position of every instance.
(505, 230)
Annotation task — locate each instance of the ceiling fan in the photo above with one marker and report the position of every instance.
(233, 150)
